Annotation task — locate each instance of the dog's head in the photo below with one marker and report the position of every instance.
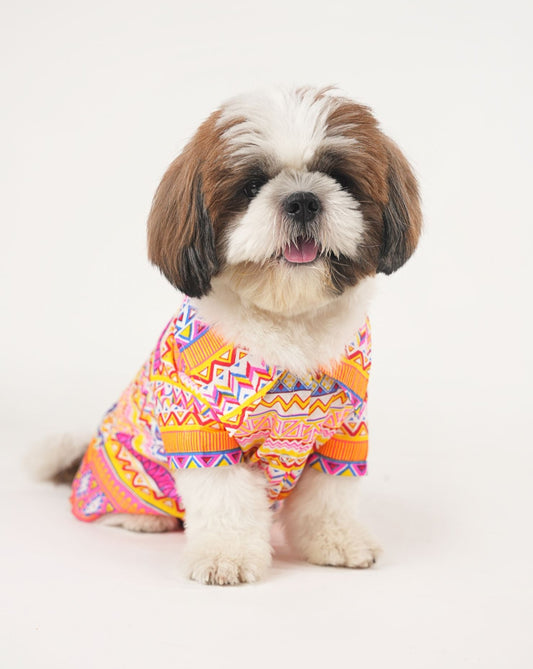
(289, 197)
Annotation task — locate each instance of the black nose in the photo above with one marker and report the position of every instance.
(302, 207)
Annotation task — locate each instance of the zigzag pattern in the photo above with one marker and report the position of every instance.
(187, 328)
(360, 350)
(321, 384)
(200, 402)
(353, 428)
(232, 384)
(336, 467)
(179, 409)
(196, 461)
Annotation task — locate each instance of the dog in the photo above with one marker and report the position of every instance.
(273, 223)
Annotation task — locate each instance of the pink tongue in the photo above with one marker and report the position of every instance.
(304, 251)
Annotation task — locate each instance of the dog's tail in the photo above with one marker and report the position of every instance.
(56, 458)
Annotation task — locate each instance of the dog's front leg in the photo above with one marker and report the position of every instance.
(227, 523)
(321, 521)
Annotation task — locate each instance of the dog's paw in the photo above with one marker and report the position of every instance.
(227, 560)
(339, 546)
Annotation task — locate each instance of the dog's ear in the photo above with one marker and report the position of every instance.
(402, 218)
(181, 239)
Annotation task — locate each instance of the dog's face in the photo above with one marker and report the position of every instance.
(289, 198)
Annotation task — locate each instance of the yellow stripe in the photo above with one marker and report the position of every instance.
(225, 418)
(206, 347)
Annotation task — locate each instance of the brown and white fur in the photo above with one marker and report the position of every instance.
(222, 230)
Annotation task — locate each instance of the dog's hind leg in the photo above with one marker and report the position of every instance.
(141, 523)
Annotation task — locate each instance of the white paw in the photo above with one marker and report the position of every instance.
(339, 546)
(138, 523)
(227, 560)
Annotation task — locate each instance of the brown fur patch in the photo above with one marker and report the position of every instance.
(198, 195)
(202, 192)
(402, 216)
(67, 475)
(181, 236)
(380, 178)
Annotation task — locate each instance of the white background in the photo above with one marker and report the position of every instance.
(97, 99)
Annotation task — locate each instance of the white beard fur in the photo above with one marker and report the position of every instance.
(300, 343)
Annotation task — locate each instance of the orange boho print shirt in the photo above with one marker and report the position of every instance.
(200, 401)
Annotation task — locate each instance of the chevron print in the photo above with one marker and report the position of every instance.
(200, 402)
(335, 467)
(195, 460)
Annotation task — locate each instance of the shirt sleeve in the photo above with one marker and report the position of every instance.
(345, 453)
(191, 433)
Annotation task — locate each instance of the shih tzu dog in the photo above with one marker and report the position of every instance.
(273, 223)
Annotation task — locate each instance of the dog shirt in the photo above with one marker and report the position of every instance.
(200, 401)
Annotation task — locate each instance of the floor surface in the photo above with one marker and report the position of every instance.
(453, 588)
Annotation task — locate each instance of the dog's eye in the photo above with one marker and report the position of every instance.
(253, 187)
(344, 181)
